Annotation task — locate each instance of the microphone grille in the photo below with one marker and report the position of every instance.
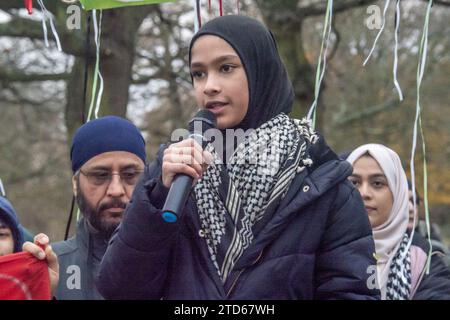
(207, 118)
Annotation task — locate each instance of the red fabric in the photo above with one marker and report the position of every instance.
(29, 6)
(23, 277)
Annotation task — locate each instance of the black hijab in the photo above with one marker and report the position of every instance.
(270, 90)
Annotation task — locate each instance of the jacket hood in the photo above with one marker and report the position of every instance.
(9, 215)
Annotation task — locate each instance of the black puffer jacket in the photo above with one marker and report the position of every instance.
(318, 245)
(436, 284)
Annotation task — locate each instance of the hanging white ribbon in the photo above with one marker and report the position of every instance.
(197, 8)
(379, 32)
(397, 25)
(418, 121)
(47, 15)
(96, 99)
(2, 188)
(322, 57)
(97, 44)
(97, 75)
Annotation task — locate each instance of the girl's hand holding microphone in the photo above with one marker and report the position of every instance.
(185, 157)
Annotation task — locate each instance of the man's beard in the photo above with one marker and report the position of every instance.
(94, 215)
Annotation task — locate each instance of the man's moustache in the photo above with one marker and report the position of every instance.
(112, 204)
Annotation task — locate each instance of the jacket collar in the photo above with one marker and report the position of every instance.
(98, 245)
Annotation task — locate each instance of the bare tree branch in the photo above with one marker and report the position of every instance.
(72, 41)
(341, 5)
(367, 112)
(21, 27)
(441, 2)
(11, 4)
(28, 176)
(20, 100)
(19, 76)
(18, 4)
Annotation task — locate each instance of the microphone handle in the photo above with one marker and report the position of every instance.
(181, 187)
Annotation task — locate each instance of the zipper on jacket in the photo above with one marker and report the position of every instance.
(211, 269)
(235, 280)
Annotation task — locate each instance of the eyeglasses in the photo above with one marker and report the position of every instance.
(102, 177)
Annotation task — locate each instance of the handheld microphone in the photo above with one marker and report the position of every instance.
(182, 183)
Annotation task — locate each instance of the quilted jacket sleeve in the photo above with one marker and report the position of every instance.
(345, 267)
(436, 284)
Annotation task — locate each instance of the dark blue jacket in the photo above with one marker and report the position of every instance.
(318, 245)
(9, 215)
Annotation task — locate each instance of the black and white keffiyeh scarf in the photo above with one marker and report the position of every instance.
(399, 279)
(235, 200)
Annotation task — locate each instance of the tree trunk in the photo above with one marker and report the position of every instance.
(288, 35)
(74, 98)
(117, 45)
